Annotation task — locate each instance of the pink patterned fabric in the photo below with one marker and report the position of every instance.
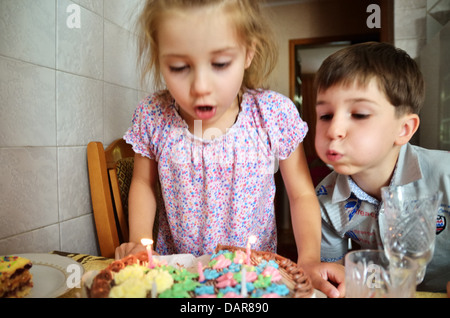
(217, 191)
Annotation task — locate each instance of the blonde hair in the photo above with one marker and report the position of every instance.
(250, 24)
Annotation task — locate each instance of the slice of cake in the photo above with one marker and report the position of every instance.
(15, 277)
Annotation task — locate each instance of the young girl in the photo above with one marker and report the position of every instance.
(212, 137)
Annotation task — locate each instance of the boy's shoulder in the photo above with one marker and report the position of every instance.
(431, 161)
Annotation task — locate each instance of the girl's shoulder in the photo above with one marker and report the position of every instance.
(157, 109)
(271, 106)
(156, 103)
(263, 97)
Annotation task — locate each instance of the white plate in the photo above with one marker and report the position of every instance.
(53, 275)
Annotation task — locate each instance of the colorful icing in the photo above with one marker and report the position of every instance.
(221, 262)
(226, 280)
(223, 278)
(9, 263)
(273, 273)
(204, 289)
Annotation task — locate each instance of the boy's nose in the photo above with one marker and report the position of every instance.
(336, 130)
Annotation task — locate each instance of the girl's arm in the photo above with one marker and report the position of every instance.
(306, 223)
(142, 205)
(142, 202)
(304, 206)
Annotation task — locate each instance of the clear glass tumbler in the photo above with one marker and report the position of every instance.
(371, 274)
(408, 224)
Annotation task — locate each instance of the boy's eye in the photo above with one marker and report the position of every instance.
(360, 116)
(326, 117)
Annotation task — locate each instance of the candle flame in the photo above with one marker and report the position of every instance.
(252, 239)
(146, 242)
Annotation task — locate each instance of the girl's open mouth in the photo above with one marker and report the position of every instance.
(205, 112)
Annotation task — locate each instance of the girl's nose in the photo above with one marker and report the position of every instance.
(201, 83)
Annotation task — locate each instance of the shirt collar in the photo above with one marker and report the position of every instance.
(406, 171)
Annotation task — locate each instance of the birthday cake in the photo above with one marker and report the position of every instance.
(229, 273)
(15, 277)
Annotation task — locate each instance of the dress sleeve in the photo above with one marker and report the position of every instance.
(140, 133)
(282, 119)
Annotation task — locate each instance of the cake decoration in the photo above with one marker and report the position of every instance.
(230, 273)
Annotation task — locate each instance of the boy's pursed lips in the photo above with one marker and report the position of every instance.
(333, 155)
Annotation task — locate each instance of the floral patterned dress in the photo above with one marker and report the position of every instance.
(217, 191)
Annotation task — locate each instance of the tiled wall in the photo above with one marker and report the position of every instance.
(60, 88)
(410, 27)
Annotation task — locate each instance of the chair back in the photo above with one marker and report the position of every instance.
(110, 172)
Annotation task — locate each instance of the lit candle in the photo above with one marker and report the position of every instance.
(201, 276)
(148, 245)
(243, 282)
(251, 240)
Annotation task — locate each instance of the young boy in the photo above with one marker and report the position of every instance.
(368, 100)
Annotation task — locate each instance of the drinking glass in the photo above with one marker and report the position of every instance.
(408, 224)
(371, 274)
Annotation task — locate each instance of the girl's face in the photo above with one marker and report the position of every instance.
(202, 61)
(357, 130)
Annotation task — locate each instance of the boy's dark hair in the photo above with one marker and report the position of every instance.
(397, 74)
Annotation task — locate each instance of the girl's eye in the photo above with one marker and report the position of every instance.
(178, 69)
(221, 65)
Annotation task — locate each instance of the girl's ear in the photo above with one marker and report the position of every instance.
(250, 55)
(410, 124)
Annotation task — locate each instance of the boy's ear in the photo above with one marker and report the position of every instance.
(410, 124)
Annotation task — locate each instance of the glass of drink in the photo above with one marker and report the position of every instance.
(408, 224)
(371, 274)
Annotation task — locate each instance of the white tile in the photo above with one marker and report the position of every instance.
(124, 13)
(79, 235)
(411, 46)
(120, 56)
(79, 47)
(119, 105)
(27, 105)
(410, 23)
(73, 183)
(410, 4)
(92, 5)
(27, 30)
(79, 110)
(43, 240)
(29, 189)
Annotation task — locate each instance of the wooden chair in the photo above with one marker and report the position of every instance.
(110, 172)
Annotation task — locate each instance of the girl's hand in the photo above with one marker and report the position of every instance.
(126, 249)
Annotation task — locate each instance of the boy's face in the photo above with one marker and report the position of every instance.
(357, 130)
